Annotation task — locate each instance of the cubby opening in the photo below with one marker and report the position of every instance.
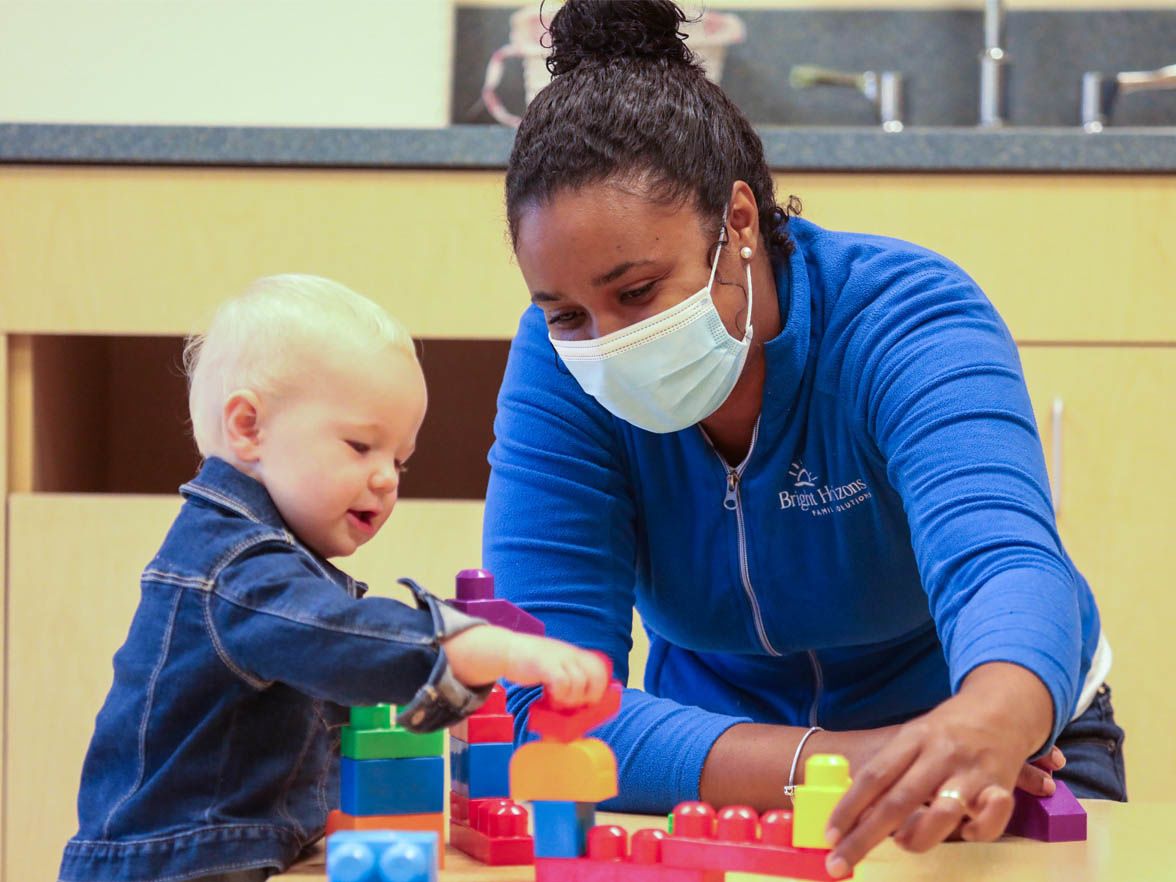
(109, 414)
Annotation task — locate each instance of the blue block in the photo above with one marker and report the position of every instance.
(414, 786)
(382, 856)
(480, 771)
(560, 829)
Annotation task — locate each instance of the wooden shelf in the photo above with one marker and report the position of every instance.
(109, 414)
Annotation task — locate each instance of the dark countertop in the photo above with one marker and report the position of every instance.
(791, 148)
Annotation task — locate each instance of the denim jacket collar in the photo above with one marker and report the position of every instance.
(231, 490)
(220, 484)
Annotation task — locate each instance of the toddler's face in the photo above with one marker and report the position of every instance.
(331, 453)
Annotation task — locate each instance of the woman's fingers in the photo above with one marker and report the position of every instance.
(893, 802)
(872, 781)
(993, 808)
(929, 826)
(1035, 780)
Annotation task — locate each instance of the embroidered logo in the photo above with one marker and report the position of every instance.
(802, 476)
(822, 500)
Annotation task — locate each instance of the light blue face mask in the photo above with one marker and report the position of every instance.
(667, 372)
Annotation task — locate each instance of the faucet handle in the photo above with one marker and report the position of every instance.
(1100, 90)
(883, 89)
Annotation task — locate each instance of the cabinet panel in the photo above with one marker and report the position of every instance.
(74, 565)
(152, 250)
(1115, 516)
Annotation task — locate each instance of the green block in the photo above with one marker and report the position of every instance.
(376, 717)
(390, 743)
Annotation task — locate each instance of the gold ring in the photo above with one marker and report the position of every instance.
(952, 793)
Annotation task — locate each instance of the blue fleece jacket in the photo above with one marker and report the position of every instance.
(890, 530)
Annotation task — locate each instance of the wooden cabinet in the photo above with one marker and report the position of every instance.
(1108, 424)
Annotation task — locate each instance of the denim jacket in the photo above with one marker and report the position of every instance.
(217, 746)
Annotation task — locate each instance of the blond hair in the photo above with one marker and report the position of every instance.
(263, 339)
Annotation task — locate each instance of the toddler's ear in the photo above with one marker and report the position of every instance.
(242, 425)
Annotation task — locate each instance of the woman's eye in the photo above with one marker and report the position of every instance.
(359, 446)
(636, 293)
(561, 318)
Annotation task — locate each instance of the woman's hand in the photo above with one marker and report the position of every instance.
(956, 764)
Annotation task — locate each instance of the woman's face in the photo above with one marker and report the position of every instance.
(599, 258)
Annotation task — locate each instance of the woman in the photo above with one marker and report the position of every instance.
(807, 457)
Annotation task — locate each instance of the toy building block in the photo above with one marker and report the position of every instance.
(826, 778)
(475, 595)
(382, 856)
(387, 741)
(479, 771)
(392, 786)
(1057, 818)
(485, 729)
(560, 724)
(496, 834)
(737, 839)
(608, 861)
(581, 771)
(462, 808)
(339, 820)
(561, 828)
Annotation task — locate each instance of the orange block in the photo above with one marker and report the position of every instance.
(584, 770)
(431, 823)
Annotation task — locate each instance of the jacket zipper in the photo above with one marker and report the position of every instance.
(733, 502)
(818, 686)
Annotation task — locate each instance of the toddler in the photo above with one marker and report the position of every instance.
(215, 753)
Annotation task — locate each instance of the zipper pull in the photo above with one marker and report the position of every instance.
(729, 501)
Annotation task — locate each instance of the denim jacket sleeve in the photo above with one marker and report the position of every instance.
(273, 616)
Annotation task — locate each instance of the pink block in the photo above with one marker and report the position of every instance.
(501, 612)
(1057, 818)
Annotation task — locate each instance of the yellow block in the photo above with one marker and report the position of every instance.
(579, 771)
(826, 778)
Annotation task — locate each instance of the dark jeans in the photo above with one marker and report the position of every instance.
(1093, 745)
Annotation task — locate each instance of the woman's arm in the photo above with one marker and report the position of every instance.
(935, 378)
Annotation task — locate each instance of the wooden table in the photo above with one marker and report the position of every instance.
(1132, 842)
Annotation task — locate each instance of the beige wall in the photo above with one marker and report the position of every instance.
(227, 62)
(691, 5)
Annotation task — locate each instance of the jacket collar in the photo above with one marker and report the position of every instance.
(227, 488)
(786, 355)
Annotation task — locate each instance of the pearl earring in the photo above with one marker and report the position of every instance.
(745, 252)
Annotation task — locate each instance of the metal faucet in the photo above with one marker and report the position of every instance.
(1099, 91)
(994, 58)
(882, 88)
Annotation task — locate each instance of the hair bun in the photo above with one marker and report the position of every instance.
(598, 31)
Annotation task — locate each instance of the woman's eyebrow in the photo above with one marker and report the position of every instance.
(617, 271)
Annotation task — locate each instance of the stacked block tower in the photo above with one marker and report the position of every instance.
(564, 775)
(484, 821)
(390, 778)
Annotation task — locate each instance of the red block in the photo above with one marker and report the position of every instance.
(495, 702)
(609, 860)
(462, 808)
(485, 729)
(585, 870)
(496, 833)
(569, 724)
(798, 863)
(738, 839)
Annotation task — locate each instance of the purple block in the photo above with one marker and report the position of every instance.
(502, 612)
(1057, 818)
(475, 585)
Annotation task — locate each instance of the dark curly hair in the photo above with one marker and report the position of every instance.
(628, 101)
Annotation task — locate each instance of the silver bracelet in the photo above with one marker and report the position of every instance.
(790, 789)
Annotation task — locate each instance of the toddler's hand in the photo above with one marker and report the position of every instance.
(571, 676)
